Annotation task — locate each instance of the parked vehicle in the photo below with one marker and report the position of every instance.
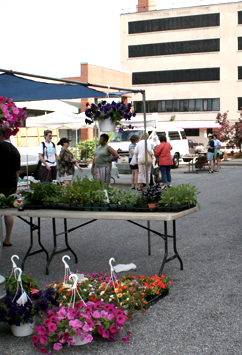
(176, 136)
(193, 144)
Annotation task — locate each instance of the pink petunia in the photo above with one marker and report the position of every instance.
(99, 329)
(43, 350)
(86, 328)
(16, 111)
(4, 108)
(34, 338)
(89, 338)
(75, 324)
(96, 314)
(40, 329)
(52, 327)
(57, 346)
(2, 99)
(120, 319)
(105, 333)
(47, 321)
(43, 339)
(62, 312)
(113, 330)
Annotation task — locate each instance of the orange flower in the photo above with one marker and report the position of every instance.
(143, 311)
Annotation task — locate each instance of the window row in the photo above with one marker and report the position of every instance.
(145, 50)
(175, 76)
(174, 23)
(186, 105)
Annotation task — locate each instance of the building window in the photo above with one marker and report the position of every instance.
(174, 23)
(239, 43)
(198, 46)
(239, 72)
(239, 17)
(176, 76)
(239, 103)
(186, 105)
(192, 132)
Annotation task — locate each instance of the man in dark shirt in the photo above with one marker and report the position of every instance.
(10, 167)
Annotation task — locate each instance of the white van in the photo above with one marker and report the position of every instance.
(176, 136)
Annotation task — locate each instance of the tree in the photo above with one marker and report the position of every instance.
(230, 133)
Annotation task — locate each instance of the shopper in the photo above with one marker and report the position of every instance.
(217, 146)
(210, 152)
(134, 168)
(165, 162)
(48, 158)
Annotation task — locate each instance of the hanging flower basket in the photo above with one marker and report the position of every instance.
(11, 116)
(109, 114)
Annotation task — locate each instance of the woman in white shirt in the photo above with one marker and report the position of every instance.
(140, 150)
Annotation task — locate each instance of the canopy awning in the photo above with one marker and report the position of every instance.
(21, 89)
(197, 124)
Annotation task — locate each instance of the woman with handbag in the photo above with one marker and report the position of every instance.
(140, 150)
(165, 162)
(133, 161)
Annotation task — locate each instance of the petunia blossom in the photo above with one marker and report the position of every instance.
(57, 346)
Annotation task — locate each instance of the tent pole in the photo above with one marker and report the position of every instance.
(146, 167)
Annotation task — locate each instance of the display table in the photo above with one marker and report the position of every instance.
(87, 172)
(199, 161)
(94, 216)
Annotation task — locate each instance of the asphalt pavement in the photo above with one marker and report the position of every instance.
(202, 314)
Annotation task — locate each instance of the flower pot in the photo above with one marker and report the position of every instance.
(106, 125)
(113, 207)
(153, 205)
(151, 300)
(23, 330)
(78, 340)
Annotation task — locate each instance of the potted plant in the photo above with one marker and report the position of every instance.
(112, 113)
(19, 316)
(180, 197)
(151, 196)
(69, 325)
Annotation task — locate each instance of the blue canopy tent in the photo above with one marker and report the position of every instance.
(21, 89)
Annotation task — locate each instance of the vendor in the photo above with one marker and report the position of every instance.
(103, 158)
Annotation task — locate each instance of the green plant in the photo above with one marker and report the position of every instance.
(180, 194)
(28, 284)
(123, 197)
(7, 202)
(44, 191)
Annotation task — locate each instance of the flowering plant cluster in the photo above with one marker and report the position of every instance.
(11, 116)
(64, 324)
(114, 111)
(152, 286)
(131, 292)
(13, 313)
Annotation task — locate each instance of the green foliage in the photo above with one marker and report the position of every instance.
(123, 197)
(86, 149)
(180, 194)
(7, 202)
(44, 191)
(27, 282)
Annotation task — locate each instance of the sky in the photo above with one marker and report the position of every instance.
(52, 37)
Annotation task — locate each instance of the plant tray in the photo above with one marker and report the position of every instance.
(153, 299)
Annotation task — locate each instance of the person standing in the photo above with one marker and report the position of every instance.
(48, 158)
(165, 162)
(217, 146)
(67, 162)
(140, 150)
(210, 152)
(134, 168)
(103, 158)
(10, 168)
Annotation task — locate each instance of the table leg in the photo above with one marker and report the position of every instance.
(33, 227)
(166, 248)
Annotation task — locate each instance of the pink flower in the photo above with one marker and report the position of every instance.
(105, 333)
(9, 100)
(47, 321)
(57, 346)
(43, 339)
(62, 312)
(86, 328)
(43, 350)
(96, 314)
(40, 329)
(99, 329)
(113, 329)
(97, 306)
(89, 338)
(75, 324)
(120, 319)
(104, 314)
(2, 99)
(91, 323)
(16, 111)
(52, 327)
(110, 316)
(34, 338)
(4, 107)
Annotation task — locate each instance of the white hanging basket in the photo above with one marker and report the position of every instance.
(106, 125)
(23, 330)
(78, 340)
